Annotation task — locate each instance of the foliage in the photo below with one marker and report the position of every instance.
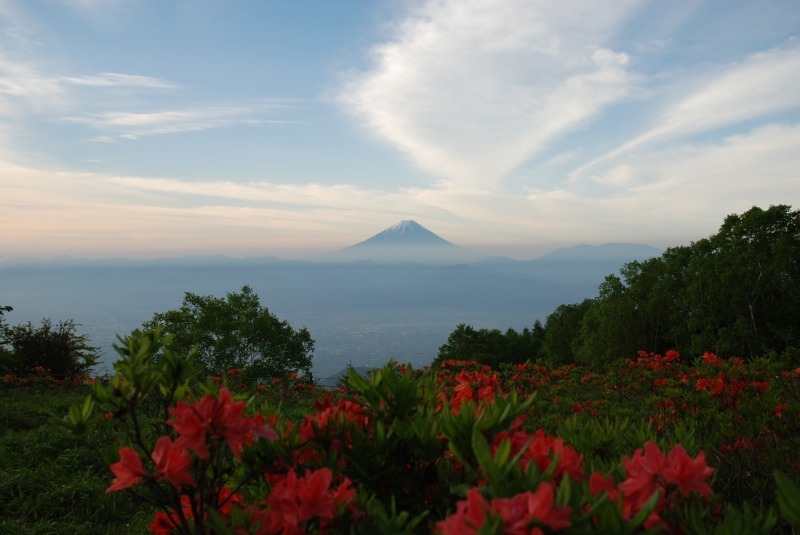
(55, 348)
(236, 333)
(491, 346)
(462, 448)
(562, 330)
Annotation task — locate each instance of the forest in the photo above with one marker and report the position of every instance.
(736, 293)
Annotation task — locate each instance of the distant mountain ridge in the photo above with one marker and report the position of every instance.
(576, 264)
(607, 251)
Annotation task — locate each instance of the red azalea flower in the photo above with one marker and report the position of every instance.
(469, 516)
(227, 499)
(688, 474)
(528, 508)
(543, 449)
(172, 463)
(191, 420)
(218, 418)
(163, 524)
(296, 500)
(127, 471)
(316, 500)
(599, 484)
(641, 473)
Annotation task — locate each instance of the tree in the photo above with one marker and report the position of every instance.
(562, 329)
(236, 333)
(57, 348)
(745, 284)
(5, 354)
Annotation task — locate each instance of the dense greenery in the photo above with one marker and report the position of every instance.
(58, 348)
(736, 293)
(236, 333)
(654, 442)
(490, 346)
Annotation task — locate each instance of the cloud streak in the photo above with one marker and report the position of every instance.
(132, 126)
(115, 79)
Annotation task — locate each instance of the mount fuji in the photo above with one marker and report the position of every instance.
(406, 241)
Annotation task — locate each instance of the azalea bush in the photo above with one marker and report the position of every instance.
(650, 446)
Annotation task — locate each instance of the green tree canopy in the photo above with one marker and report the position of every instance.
(561, 331)
(491, 346)
(236, 332)
(736, 293)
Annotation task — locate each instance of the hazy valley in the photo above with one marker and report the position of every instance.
(359, 312)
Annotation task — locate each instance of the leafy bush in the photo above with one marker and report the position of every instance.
(463, 448)
(58, 349)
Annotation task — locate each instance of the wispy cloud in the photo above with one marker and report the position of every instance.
(135, 125)
(469, 89)
(23, 87)
(759, 86)
(115, 79)
(668, 195)
(27, 91)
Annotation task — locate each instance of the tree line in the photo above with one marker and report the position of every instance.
(735, 293)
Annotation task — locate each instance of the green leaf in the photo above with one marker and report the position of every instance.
(788, 498)
(480, 448)
(645, 511)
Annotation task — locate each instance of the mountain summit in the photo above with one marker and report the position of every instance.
(406, 232)
(406, 241)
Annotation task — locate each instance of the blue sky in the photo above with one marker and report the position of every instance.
(151, 128)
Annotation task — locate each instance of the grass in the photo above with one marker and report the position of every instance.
(53, 482)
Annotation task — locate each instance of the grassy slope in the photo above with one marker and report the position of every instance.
(51, 481)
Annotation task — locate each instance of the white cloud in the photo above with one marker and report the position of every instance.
(668, 196)
(24, 88)
(469, 89)
(761, 85)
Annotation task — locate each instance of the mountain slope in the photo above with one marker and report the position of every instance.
(404, 233)
(406, 241)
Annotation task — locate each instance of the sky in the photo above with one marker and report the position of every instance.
(161, 128)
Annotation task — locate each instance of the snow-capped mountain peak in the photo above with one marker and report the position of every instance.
(406, 232)
(406, 241)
